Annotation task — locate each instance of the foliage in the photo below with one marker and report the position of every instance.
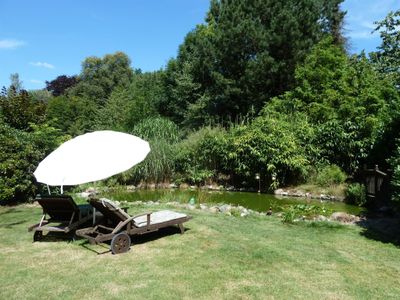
(20, 153)
(18, 158)
(394, 162)
(40, 95)
(146, 92)
(387, 58)
(356, 194)
(20, 109)
(200, 157)
(271, 147)
(244, 54)
(345, 99)
(330, 175)
(100, 76)
(59, 86)
(302, 212)
(72, 115)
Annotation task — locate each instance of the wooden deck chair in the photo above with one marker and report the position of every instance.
(60, 214)
(121, 225)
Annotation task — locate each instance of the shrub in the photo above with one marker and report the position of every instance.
(18, 158)
(200, 156)
(330, 175)
(20, 153)
(355, 194)
(303, 211)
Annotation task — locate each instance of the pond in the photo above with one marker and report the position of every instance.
(254, 201)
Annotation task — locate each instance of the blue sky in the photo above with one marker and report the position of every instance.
(45, 38)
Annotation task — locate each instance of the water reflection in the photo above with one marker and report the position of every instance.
(254, 201)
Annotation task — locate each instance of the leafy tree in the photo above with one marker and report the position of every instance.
(99, 77)
(40, 95)
(146, 92)
(18, 159)
(387, 58)
(60, 85)
(201, 157)
(72, 115)
(19, 110)
(245, 54)
(115, 113)
(271, 147)
(15, 86)
(20, 153)
(345, 98)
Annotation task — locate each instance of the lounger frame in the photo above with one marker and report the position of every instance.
(123, 225)
(60, 214)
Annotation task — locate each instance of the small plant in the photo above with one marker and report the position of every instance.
(303, 211)
(355, 194)
(330, 175)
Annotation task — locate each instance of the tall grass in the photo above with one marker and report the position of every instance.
(161, 134)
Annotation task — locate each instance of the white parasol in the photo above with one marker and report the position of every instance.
(91, 157)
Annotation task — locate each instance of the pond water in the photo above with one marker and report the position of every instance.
(254, 201)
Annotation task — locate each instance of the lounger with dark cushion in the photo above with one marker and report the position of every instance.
(60, 214)
(119, 225)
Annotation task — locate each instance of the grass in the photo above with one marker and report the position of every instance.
(219, 257)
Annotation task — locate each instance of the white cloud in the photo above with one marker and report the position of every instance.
(42, 64)
(35, 81)
(11, 44)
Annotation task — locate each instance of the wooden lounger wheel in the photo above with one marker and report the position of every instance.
(120, 243)
(37, 236)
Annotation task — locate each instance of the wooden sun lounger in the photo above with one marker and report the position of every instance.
(121, 225)
(60, 214)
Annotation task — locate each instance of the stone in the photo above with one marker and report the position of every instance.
(203, 206)
(191, 207)
(130, 187)
(278, 192)
(173, 186)
(321, 218)
(225, 208)
(344, 217)
(214, 209)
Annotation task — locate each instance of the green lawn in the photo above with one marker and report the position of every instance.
(219, 257)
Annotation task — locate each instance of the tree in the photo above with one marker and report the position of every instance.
(100, 76)
(19, 110)
(387, 58)
(15, 86)
(345, 98)
(245, 54)
(59, 85)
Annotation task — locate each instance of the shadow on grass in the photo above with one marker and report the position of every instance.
(135, 239)
(383, 229)
(11, 225)
(11, 210)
